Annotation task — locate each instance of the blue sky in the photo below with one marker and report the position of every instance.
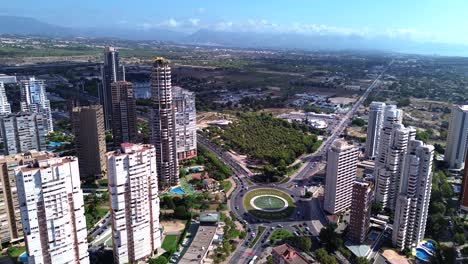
(425, 20)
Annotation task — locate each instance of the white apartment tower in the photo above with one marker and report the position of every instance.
(52, 211)
(457, 138)
(133, 189)
(23, 132)
(185, 123)
(162, 124)
(342, 162)
(5, 108)
(413, 200)
(374, 127)
(34, 99)
(388, 171)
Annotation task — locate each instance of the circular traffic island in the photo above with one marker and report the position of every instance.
(268, 203)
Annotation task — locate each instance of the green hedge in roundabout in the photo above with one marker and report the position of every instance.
(267, 203)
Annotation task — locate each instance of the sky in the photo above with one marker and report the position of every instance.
(422, 20)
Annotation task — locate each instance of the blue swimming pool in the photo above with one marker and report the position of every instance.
(177, 190)
(430, 246)
(422, 255)
(23, 258)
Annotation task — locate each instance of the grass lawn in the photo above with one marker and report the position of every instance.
(14, 252)
(260, 231)
(170, 243)
(103, 182)
(227, 185)
(268, 215)
(279, 234)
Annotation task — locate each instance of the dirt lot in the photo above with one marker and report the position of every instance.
(173, 226)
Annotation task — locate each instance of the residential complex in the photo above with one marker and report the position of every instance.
(162, 124)
(413, 199)
(457, 138)
(388, 170)
(34, 99)
(10, 218)
(22, 132)
(374, 127)
(361, 203)
(342, 159)
(52, 211)
(185, 123)
(133, 190)
(5, 108)
(123, 113)
(111, 72)
(90, 140)
(285, 254)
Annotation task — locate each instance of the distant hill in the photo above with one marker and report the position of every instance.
(30, 26)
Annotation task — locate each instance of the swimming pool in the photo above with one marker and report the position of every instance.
(430, 246)
(23, 258)
(422, 255)
(177, 190)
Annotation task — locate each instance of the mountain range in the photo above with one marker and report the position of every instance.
(14, 25)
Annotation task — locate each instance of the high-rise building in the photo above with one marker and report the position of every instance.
(52, 211)
(5, 108)
(374, 127)
(23, 132)
(90, 139)
(123, 113)
(110, 72)
(133, 189)
(342, 162)
(413, 200)
(464, 189)
(162, 124)
(361, 203)
(34, 99)
(10, 218)
(185, 123)
(388, 170)
(457, 138)
(392, 116)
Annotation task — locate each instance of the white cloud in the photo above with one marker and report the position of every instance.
(171, 22)
(194, 21)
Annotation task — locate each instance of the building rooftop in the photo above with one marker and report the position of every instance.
(290, 255)
(200, 245)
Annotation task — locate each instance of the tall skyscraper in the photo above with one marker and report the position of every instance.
(5, 108)
(133, 189)
(464, 190)
(361, 203)
(23, 132)
(52, 211)
(388, 171)
(342, 162)
(413, 200)
(34, 99)
(457, 138)
(90, 137)
(162, 124)
(110, 72)
(374, 127)
(123, 113)
(10, 218)
(186, 123)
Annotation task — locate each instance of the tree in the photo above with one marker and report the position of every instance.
(303, 243)
(361, 260)
(330, 238)
(159, 260)
(358, 122)
(407, 252)
(181, 212)
(459, 238)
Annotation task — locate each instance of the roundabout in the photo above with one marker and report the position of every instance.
(268, 203)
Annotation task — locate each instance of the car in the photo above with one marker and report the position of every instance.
(272, 228)
(307, 228)
(280, 225)
(237, 207)
(253, 234)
